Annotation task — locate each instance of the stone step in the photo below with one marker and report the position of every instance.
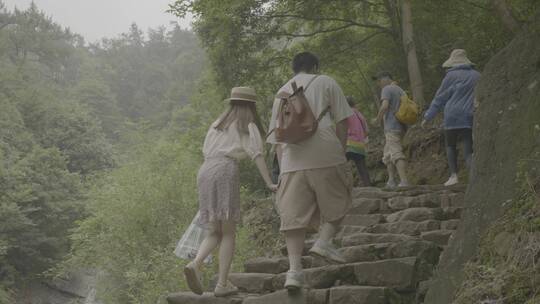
(304, 296)
(429, 200)
(321, 277)
(404, 227)
(377, 193)
(334, 295)
(453, 200)
(404, 246)
(206, 298)
(364, 238)
(277, 265)
(452, 213)
(347, 230)
(253, 282)
(363, 219)
(362, 295)
(368, 206)
(416, 214)
(371, 192)
(423, 249)
(399, 274)
(346, 294)
(450, 224)
(419, 214)
(440, 237)
(365, 253)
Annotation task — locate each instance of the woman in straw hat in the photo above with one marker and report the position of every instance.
(455, 97)
(236, 134)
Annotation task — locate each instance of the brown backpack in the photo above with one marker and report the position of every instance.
(295, 119)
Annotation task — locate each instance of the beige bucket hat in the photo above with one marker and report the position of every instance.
(243, 93)
(457, 57)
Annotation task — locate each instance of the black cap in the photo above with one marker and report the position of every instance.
(382, 74)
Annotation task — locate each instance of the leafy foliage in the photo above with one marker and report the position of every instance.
(252, 42)
(44, 139)
(67, 109)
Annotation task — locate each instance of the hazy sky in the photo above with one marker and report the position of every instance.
(95, 19)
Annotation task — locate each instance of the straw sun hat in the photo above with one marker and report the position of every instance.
(457, 57)
(243, 93)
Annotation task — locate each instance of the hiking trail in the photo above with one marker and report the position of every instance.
(391, 239)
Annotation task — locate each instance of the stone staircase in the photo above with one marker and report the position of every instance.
(391, 240)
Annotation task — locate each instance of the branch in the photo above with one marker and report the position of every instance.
(476, 5)
(335, 19)
(362, 41)
(314, 33)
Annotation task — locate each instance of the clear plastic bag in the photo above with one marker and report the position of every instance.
(189, 244)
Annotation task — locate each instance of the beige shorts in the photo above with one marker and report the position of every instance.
(393, 147)
(306, 198)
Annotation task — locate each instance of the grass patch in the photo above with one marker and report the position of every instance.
(507, 268)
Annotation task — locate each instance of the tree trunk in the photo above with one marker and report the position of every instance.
(415, 76)
(506, 15)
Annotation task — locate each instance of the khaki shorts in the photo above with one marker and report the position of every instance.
(306, 198)
(393, 148)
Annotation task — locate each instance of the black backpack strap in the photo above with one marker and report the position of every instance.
(309, 83)
(269, 133)
(324, 112)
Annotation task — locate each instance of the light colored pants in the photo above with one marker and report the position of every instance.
(307, 197)
(393, 147)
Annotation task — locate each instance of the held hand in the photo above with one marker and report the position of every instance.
(423, 124)
(272, 187)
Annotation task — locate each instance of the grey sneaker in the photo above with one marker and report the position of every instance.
(294, 280)
(193, 278)
(223, 291)
(327, 251)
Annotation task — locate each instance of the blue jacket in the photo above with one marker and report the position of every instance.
(455, 97)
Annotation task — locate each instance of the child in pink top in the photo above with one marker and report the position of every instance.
(357, 138)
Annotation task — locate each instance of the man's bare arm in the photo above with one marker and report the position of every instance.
(383, 109)
(341, 132)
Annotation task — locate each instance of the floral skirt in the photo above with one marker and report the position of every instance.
(218, 183)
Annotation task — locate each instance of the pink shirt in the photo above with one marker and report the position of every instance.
(358, 127)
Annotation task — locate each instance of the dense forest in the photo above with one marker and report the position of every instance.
(81, 129)
(100, 142)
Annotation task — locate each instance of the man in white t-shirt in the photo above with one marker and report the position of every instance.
(315, 182)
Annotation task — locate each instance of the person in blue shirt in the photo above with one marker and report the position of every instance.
(455, 98)
(394, 131)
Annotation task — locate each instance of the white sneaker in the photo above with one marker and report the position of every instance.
(223, 291)
(391, 184)
(452, 180)
(327, 251)
(294, 280)
(404, 185)
(193, 278)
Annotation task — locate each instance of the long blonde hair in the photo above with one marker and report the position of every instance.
(244, 113)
